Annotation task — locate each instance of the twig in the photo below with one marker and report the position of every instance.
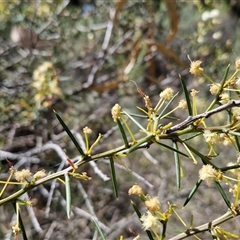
(191, 119)
(52, 18)
(50, 230)
(91, 28)
(117, 227)
(62, 155)
(101, 55)
(15, 156)
(125, 36)
(150, 157)
(105, 45)
(32, 216)
(86, 198)
(80, 212)
(93, 164)
(207, 226)
(140, 178)
(86, 215)
(109, 29)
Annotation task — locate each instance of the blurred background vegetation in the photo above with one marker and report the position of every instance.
(78, 58)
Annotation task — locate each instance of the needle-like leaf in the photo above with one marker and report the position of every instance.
(114, 179)
(172, 149)
(69, 133)
(177, 165)
(223, 194)
(135, 121)
(98, 228)
(120, 126)
(192, 192)
(68, 195)
(186, 93)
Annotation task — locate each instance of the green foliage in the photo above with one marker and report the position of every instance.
(79, 61)
(155, 131)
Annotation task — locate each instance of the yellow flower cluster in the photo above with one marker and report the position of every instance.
(214, 88)
(16, 229)
(39, 174)
(152, 204)
(135, 190)
(183, 104)
(210, 137)
(87, 130)
(208, 173)
(237, 63)
(194, 92)
(25, 174)
(116, 112)
(45, 81)
(213, 138)
(22, 175)
(224, 98)
(236, 113)
(166, 94)
(150, 221)
(226, 139)
(233, 187)
(195, 68)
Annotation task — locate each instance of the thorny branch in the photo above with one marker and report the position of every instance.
(207, 226)
(191, 119)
